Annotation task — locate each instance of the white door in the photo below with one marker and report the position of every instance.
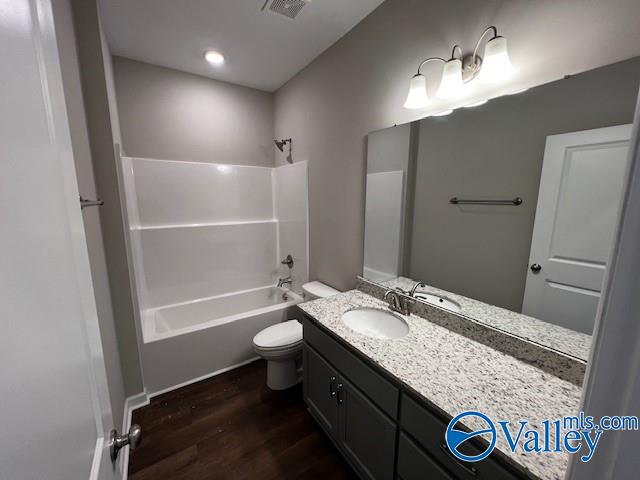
(580, 192)
(54, 412)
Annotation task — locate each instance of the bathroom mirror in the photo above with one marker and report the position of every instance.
(506, 210)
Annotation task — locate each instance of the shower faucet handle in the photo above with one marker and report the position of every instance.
(288, 261)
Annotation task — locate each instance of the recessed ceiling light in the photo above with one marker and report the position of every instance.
(213, 57)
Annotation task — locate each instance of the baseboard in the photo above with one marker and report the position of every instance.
(130, 404)
(203, 377)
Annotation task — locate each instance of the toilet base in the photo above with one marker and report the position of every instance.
(282, 374)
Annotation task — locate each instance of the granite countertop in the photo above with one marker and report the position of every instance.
(457, 374)
(552, 336)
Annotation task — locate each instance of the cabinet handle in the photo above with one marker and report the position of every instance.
(332, 392)
(338, 394)
(472, 470)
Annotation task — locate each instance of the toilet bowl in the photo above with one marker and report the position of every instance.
(281, 344)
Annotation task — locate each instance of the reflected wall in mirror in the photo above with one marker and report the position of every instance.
(560, 147)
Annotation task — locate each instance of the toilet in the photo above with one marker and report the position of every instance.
(281, 344)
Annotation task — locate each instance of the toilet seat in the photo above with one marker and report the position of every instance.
(281, 336)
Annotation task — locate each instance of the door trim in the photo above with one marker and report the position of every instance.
(618, 312)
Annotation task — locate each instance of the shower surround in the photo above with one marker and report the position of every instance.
(205, 244)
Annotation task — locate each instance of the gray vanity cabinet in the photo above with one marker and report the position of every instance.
(367, 436)
(364, 434)
(319, 384)
(379, 427)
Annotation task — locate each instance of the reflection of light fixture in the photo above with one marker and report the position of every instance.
(459, 70)
(213, 57)
(224, 169)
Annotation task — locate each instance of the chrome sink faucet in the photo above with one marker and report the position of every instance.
(398, 302)
(412, 293)
(286, 280)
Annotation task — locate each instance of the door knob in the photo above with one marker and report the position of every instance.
(535, 268)
(116, 442)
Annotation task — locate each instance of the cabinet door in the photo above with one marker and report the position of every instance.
(367, 435)
(319, 385)
(414, 464)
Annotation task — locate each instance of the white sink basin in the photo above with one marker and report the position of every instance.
(376, 323)
(439, 301)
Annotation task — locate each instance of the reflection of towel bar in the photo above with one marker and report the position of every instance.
(460, 201)
(90, 203)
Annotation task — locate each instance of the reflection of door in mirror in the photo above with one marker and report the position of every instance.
(580, 193)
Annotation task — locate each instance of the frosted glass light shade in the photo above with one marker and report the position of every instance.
(451, 85)
(496, 65)
(417, 97)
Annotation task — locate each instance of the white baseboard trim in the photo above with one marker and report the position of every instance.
(130, 404)
(203, 377)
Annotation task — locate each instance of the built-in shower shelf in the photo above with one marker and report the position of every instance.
(200, 225)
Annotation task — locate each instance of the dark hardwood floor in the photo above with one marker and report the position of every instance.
(233, 427)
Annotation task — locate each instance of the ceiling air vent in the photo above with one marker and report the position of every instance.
(288, 8)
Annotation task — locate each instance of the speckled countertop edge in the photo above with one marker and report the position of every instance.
(456, 374)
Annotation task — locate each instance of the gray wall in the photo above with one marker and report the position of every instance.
(102, 122)
(65, 35)
(496, 150)
(360, 83)
(174, 115)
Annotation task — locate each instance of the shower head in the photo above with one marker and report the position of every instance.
(281, 143)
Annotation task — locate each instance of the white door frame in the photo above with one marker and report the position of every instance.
(612, 382)
(38, 25)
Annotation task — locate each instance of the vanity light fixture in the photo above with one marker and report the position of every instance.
(460, 70)
(214, 58)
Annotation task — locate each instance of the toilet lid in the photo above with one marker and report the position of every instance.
(279, 335)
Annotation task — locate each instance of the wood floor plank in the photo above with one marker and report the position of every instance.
(233, 427)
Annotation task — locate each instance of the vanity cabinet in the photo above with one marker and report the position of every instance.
(319, 384)
(380, 428)
(364, 434)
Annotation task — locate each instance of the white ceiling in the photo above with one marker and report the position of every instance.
(262, 49)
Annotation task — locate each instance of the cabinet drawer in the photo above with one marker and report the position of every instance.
(377, 388)
(429, 431)
(414, 464)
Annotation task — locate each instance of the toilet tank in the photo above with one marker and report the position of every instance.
(314, 290)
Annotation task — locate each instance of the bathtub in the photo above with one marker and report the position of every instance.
(190, 341)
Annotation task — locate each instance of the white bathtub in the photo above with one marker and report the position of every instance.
(190, 341)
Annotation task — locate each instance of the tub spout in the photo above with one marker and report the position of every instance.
(286, 280)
